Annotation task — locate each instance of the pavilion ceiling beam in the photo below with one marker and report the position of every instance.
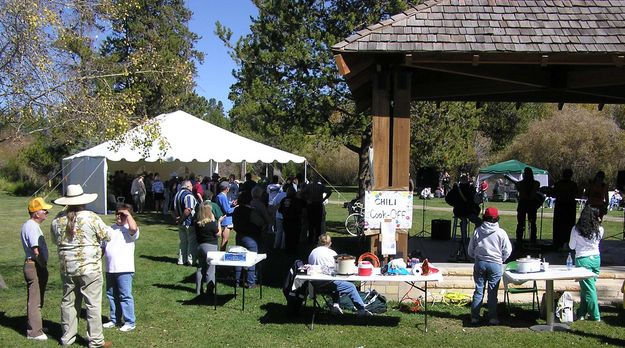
(459, 95)
(596, 78)
(502, 74)
(597, 94)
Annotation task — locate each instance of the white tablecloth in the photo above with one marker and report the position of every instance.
(217, 259)
(553, 273)
(375, 277)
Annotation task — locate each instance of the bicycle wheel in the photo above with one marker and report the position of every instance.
(352, 224)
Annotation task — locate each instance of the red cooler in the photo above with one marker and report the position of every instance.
(365, 268)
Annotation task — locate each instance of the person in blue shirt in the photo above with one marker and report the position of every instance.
(184, 209)
(227, 208)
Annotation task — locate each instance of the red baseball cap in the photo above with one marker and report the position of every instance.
(491, 212)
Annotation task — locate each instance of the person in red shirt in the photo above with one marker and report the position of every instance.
(482, 190)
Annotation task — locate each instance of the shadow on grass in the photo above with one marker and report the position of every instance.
(276, 313)
(176, 287)
(53, 329)
(165, 259)
(617, 342)
(207, 300)
(516, 318)
(335, 226)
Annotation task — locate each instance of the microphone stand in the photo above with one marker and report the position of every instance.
(423, 232)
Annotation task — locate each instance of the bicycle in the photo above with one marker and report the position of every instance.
(355, 221)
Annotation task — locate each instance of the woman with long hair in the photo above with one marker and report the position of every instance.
(207, 232)
(585, 238)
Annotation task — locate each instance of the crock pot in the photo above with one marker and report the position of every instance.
(345, 264)
(528, 265)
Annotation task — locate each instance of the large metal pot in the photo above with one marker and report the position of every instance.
(345, 264)
(528, 265)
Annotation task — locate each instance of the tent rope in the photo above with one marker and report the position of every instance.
(59, 183)
(327, 182)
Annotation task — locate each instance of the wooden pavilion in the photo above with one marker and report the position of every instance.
(555, 51)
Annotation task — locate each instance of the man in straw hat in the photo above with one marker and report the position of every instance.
(35, 266)
(78, 234)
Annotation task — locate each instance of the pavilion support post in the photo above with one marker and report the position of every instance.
(391, 129)
(401, 130)
(381, 136)
(391, 138)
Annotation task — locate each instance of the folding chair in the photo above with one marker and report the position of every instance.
(323, 289)
(508, 289)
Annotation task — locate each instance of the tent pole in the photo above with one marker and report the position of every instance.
(266, 170)
(305, 171)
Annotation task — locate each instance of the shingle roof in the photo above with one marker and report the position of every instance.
(523, 26)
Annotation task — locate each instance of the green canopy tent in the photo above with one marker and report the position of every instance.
(514, 169)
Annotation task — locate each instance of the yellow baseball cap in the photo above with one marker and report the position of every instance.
(38, 204)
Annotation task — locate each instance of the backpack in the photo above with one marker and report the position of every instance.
(564, 308)
(374, 302)
(294, 297)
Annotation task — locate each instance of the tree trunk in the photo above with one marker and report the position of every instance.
(364, 172)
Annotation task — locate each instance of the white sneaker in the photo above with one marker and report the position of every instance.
(126, 328)
(364, 312)
(336, 310)
(41, 337)
(493, 322)
(108, 325)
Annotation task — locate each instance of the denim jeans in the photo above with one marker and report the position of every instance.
(485, 272)
(119, 293)
(278, 242)
(251, 245)
(347, 288)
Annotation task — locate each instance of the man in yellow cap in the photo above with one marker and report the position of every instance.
(35, 266)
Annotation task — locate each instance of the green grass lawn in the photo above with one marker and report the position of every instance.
(169, 313)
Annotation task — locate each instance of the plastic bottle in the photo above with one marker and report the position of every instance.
(569, 262)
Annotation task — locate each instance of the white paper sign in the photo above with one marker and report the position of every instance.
(389, 245)
(394, 205)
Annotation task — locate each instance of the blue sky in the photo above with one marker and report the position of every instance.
(214, 77)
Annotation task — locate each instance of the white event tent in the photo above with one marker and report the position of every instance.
(194, 146)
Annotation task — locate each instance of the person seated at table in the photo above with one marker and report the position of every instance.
(490, 247)
(323, 256)
(585, 238)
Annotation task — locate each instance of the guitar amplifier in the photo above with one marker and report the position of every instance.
(441, 229)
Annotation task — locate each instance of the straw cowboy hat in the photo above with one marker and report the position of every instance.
(75, 196)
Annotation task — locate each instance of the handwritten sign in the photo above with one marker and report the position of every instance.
(394, 205)
(389, 245)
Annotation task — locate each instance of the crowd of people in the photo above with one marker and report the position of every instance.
(207, 210)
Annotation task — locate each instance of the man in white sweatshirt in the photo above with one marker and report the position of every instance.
(490, 247)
